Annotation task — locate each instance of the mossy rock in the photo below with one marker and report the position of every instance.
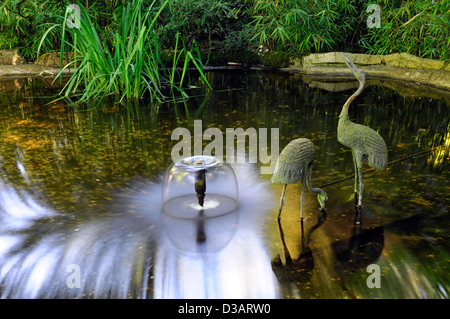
(277, 59)
(222, 58)
(216, 57)
(11, 57)
(245, 57)
(53, 59)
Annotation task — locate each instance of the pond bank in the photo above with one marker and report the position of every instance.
(406, 70)
(398, 66)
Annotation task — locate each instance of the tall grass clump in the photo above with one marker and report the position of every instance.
(124, 61)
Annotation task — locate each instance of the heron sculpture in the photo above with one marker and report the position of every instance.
(364, 142)
(295, 164)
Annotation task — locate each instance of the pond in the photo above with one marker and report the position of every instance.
(80, 195)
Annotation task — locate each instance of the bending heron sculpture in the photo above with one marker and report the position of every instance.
(295, 164)
(362, 140)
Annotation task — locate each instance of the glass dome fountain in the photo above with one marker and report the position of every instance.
(200, 202)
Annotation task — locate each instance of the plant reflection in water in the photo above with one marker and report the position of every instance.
(70, 175)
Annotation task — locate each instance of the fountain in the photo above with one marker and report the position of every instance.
(161, 240)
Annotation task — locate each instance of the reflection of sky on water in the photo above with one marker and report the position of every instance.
(133, 252)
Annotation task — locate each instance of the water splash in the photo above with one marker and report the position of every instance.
(242, 269)
(134, 253)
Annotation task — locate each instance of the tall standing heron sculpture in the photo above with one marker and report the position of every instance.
(295, 164)
(362, 140)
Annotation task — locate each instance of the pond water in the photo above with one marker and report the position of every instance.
(80, 196)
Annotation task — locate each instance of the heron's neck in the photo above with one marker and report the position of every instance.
(344, 112)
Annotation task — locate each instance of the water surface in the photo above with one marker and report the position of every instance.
(82, 186)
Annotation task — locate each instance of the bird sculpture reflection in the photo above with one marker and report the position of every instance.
(295, 164)
(362, 140)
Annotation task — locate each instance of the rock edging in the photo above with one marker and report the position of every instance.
(397, 66)
(11, 57)
(12, 64)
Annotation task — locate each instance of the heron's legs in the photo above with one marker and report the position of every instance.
(281, 201)
(302, 201)
(357, 161)
(355, 165)
(361, 185)
(360, 191)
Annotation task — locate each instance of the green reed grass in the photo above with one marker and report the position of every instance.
(125, 61)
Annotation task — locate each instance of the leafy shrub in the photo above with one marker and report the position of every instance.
(276, 59)
(22, 24)
(417, 27)
(302, 25)
(213, 25)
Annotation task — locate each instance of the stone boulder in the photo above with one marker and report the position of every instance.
(11, 57)
(400, 60)
(336, 58)
(53, 59)
(397, 66)
(409, 61)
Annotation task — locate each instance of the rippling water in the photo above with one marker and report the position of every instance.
(80, 196)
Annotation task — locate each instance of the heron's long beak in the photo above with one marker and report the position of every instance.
(358, 73)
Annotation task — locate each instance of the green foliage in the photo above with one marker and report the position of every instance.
(244, 56)
(214, 25)
(303, 26)
(125, 60)
(22, 24)
(277, 59)
(224, 27)
(417, 27)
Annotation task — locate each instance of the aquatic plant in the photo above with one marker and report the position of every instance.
(126, 60)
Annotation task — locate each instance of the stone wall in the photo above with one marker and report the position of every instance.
(398, 66)
(53, 59)
(11, 57)
(401, 60)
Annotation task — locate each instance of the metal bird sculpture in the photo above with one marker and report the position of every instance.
(362, 140)
(295, 164)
